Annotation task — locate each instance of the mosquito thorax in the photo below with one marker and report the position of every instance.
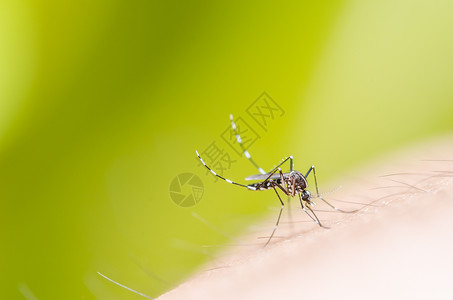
(299, 179)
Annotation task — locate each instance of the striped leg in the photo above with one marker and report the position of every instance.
(264, 185)
(291, 167)
(281, 186)
(278, 219)
(227, 180)
(312, 168)
(291, 164)
(246, 153)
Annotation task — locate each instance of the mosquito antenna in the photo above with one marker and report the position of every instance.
(316, 217)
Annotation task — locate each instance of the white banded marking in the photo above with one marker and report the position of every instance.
(232, 122)
(221, 177)
(201, 159)
(239, 139)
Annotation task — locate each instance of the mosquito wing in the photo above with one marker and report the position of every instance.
(265, 176)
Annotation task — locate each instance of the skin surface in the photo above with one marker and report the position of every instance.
(399, 246)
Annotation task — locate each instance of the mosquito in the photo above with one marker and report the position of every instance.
(292, 184)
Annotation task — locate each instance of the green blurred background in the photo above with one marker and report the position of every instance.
(103, 103)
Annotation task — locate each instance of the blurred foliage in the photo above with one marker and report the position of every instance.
(103, 103)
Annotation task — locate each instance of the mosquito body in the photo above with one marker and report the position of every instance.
(289, 183)
(292, 184)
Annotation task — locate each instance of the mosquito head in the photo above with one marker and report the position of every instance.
(306, 195)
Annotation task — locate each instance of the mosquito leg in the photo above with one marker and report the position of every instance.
(290, 216)
(282, 180)
(227, 180)
(280, 185)
(303, 208)
(278, 219)
(317, 220)
(286, 191)
(312, 168)
(246, 153)
(291, 164)
(314, 217)
(266, 184)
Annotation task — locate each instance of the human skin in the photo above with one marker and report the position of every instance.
(399, 246)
